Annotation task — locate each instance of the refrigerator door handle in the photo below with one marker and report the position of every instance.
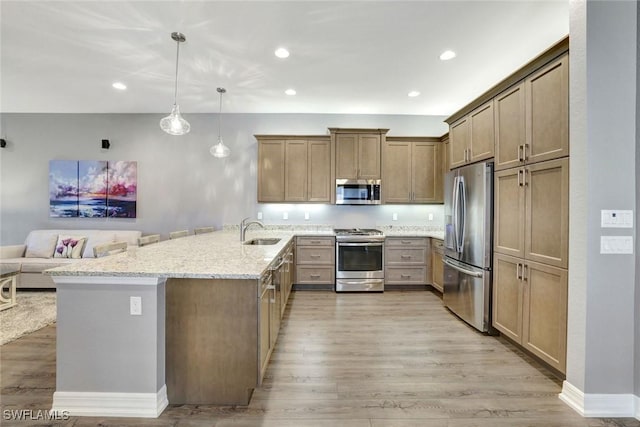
(454, 211)
(462, 270)
(461, 214)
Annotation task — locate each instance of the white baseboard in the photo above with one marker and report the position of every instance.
(600, 405)
(95, 404)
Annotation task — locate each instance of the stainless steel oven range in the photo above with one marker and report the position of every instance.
(359, 260)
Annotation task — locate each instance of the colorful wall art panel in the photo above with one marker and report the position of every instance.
(63, 188)
(122, 189)
(92, 188)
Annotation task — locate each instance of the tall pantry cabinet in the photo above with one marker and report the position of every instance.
(531, 212)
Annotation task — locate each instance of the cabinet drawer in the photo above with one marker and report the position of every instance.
(404, 275)
(406, 256)
(315, 255)
(314, 241)
(438, 245)
(314, 275)
(406, 241)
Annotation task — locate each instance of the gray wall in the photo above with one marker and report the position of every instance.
(603, 176)
(101, 347)
(179, 184)
(637, 322)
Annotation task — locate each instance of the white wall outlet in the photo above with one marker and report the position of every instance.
(616, 244)
(306, 216)
(285, 215)
(430, 217)
(259, 215)
(135, 306)
(394, 217)
(616, 219)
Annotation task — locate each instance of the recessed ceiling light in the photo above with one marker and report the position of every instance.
(282, 52)
(447, 55)
(413, 93)
(119, 86)
(290, 92)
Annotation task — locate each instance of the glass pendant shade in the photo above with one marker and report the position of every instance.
(219, 150)
(174, 124)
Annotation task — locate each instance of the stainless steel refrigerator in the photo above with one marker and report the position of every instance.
(468, 214)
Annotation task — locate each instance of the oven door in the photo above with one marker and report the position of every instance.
(361, 260)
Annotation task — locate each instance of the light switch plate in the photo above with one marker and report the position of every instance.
(616, 218)
(306, 216)
(394, 217)
(285, 215)
(259, 215)
(135, 306)
(616, 244)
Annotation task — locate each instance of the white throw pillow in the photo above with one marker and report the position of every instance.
(42, 247)
(69, 246)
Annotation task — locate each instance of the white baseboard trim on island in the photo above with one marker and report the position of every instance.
(96, 404)
(600, 405)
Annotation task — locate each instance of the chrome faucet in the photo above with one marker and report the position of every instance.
(244, 225)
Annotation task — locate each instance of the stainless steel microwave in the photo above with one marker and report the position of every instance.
(357, 191)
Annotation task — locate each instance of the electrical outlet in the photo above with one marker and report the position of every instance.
(394, 217)
(430, 217)
(306, 216)
(135, 306)
(285, 215)
(259, 215)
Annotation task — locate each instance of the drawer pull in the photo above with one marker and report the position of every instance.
(405, 256)
(315, 276)
(406, 242)
(314, 256)
(405, 276)
(315, 242)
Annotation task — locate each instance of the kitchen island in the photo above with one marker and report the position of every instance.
(180, 321)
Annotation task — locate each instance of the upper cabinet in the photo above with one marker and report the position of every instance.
(358, 152)
(532, 117)
(412, 170)
(294, 168)
(472, 137)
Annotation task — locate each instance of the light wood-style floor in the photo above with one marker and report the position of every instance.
(355, 360)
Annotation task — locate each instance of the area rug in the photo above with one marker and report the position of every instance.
(35, 310)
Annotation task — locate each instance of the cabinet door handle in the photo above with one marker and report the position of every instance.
(525, 172)
(525, 272)
(520, 153)
(519, 271)
(524, 151)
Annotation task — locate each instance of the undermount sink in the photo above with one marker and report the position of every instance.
(264, 241)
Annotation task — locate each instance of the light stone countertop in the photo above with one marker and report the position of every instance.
(217, 255)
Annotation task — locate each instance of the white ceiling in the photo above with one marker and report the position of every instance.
(359, 57)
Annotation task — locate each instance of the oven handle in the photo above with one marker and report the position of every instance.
(362, 282)
(360, 244)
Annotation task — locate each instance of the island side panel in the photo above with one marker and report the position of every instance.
(211, 341)
(101, 347)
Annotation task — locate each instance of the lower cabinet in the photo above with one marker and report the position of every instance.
(315, 260)
(406, 261)
(437, 267)
(530, 306)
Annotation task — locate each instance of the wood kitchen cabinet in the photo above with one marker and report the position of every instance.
(531, 212)
(532, 117)
(472, 138)
(412, 170)
(437, 267)
(315, 261)
(406, 261)
(294, 168)
(530, 306)
(358, 152)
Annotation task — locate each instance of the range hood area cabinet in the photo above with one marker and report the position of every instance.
(358, 152)
(412, 171)
(294, 168)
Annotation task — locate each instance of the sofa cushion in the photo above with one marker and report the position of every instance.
(69, 246)
(42, 247)
(94, 237)
(34, 265)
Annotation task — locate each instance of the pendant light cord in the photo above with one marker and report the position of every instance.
(175, 93)
(220, 117)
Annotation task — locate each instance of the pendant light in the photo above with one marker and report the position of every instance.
(220, 150)
(174, 124)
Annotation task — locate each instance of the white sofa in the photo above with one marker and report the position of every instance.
(31, 262)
